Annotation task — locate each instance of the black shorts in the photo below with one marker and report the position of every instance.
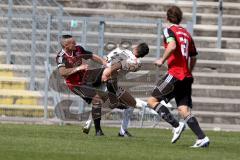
(91, 87)
(169, 87)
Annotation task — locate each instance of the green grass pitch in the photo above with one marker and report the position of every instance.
(40, 142)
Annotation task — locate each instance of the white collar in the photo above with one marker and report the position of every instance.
(67, 53)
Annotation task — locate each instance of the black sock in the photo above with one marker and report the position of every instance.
(96, 115)
(97, 124)
(193, 124)
(166, 115)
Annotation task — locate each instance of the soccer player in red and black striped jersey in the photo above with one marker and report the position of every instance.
(77, 74)
(180, 54)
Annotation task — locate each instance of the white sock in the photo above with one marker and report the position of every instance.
(127, 113)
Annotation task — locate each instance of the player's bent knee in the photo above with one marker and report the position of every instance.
(184, 111)
(152, 102)
(96, 100)
(127, 99)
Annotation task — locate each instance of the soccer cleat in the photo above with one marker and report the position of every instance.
(201, 143)
(178, 131)
(126, 134)
(86, 128)
(99, 133)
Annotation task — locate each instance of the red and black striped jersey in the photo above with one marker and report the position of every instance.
(185, 48)
(74, 59)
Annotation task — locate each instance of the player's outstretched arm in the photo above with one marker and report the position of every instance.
(65, 72)
(171, 47)
(99, 59)
(109, 71)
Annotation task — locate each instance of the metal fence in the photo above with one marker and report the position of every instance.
(101, 35)
(36, 47)
(32, 40)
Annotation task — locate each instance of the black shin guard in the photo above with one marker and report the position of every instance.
(166, 115)
(193, 124)
(97, 124)
(96, 115)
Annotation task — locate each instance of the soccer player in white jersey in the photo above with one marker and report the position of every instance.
(120, 62)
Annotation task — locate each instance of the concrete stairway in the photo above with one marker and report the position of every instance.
(112, 33)
(16, 100)
(216, 91)
(216, 88)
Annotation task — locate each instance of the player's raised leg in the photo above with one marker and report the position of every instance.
(178, 127)
(165, 90)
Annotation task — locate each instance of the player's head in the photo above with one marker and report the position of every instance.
(174, 15)
(141, 50)
(68, 43)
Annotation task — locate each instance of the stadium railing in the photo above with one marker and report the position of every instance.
(82, 27)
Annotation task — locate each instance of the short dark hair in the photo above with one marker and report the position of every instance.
(142, 49)
(64, 38)
(174, 15)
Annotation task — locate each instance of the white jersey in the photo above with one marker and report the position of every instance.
(129, 62)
